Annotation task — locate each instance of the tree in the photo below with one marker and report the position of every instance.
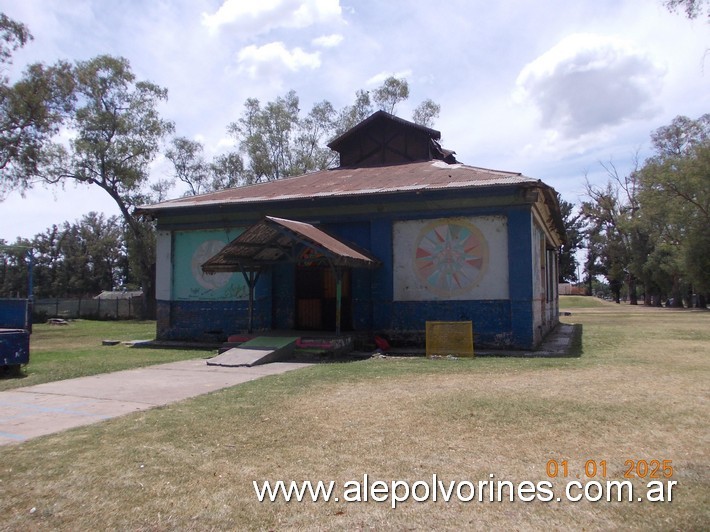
(227, 171)
(76, 259)
(101, 241)
(574, 228)
(13, 35)
(611, 214)
(189, 164)
(675, 197)
(390, 93)
(265, 136)
(118, 132)
(310, 152)
(278, 143)
(426, 113)
(351, 115)
(31, 110)
(14, 266)
(190, 167)
(693, 8)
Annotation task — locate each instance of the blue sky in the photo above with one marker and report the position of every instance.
(547, 88)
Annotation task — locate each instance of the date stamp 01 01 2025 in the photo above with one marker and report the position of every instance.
(651, 471)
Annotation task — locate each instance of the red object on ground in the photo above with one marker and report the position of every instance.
(382, 344)
(239, 338)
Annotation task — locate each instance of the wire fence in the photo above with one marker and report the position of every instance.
(98, 309)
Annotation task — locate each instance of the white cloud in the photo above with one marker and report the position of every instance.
(377, 79)
(328, 41)
(262, 16)
(272, 58)
(588, 82)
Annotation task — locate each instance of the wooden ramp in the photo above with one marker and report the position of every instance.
(259, 350)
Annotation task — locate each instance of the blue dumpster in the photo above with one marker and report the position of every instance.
(14, 332)
(14, 347)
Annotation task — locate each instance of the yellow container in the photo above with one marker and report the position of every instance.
(444, 338)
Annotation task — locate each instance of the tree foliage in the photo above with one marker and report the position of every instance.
(351, 115)
(574, 229)
(426, 113)
(692, 8)
(265, 135)
(392, 91)
(651, 226)
(80, 259)
(675, 191)
(227, 171)
(118, 132)
(189, 163)
(31, 109)
(13, 36)
(276, 141)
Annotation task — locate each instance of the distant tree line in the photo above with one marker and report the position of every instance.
(80, 259)
(648, 232)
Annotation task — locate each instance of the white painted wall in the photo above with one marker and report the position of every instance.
(463, 258)
(163, 266)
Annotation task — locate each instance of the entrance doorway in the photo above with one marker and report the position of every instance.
(316, 299)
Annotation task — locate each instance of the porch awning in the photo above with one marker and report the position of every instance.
(274, 240)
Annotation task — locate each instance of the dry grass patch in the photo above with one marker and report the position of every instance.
(639, 391)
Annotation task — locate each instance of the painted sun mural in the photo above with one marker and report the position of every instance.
(450, 257)
(202, 254)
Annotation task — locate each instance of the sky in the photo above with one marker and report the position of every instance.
(551, 89)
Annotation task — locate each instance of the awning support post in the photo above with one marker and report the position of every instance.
(251, 277)
(338, 297)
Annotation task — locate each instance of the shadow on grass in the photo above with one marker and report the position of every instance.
(12, 372)
(575, 346)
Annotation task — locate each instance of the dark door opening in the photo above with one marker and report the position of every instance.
(316, 299)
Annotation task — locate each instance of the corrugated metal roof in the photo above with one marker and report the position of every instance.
(343, 182)
(275, 239)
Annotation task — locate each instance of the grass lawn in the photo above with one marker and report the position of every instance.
(75, 350)
(572, 302)
(638, 392)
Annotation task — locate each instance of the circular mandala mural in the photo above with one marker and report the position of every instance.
(205, 251)
(450, 257)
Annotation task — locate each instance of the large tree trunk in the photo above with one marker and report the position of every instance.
(676, 293)
(149, 301)
(633, 298)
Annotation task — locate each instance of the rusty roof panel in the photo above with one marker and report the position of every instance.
(318, 236)
(274, 239)
(343, 182)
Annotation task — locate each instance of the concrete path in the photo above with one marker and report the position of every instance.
(56, 406)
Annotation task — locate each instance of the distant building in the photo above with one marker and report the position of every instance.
(569, 289)
(119, 294)
(399, 234)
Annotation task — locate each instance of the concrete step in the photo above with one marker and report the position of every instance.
(260, 350)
